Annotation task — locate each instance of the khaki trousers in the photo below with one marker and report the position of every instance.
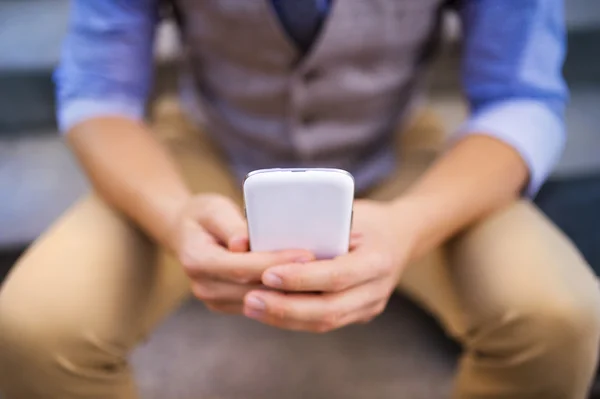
(512, 289)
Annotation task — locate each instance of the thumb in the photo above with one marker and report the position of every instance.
(224, 221)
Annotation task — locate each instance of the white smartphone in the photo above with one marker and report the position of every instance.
(297, 208)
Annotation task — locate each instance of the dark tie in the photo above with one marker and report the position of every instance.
(302, 20)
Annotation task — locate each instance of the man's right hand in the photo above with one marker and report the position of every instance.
(211, 242)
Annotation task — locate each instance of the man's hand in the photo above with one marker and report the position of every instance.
(212, 245)
(321, 296)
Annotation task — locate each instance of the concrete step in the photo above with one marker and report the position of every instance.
(31, 33)
(39, 179)
(30, 36)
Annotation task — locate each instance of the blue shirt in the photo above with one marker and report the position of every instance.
(512, 70)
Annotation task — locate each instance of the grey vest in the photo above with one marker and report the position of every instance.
(337, 106)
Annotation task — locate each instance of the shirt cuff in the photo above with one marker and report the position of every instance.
(76, 111)
(530, 127)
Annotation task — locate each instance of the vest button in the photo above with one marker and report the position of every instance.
(309, 119)
(312, 75)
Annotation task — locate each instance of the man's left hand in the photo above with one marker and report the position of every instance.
(325, 295)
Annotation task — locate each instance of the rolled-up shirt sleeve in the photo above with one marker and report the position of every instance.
(106, 60)
(512, 76)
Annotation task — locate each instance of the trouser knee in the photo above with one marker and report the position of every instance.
(54, 357)
(549, 345)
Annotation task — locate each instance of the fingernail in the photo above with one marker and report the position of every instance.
(272, 280)
(253, 314)
(237, 240)
(255, 304)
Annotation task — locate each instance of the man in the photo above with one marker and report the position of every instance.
(307, 83)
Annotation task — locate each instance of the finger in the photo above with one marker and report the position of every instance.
(209, 290)
(286, 324)
(193, 239)
(256, 311)
(312, 312)
(243, 268)
(334, 275)
(239, 244)
(363, 316)
(369, 313)
(222, 218)
(356, 240)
